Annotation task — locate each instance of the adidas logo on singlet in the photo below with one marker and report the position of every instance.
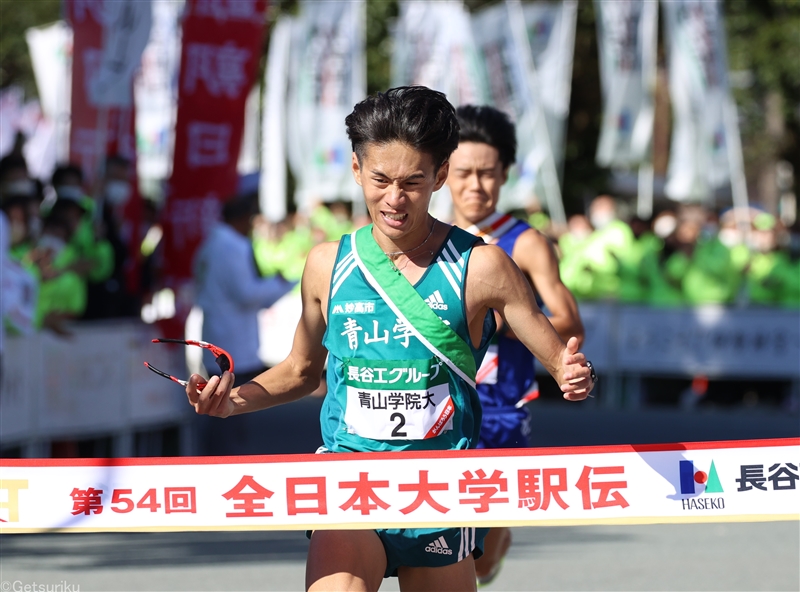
(439, 546)
(435, 301)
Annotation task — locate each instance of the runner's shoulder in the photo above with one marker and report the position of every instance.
(532, 245)
(488, 259)
(321, 260)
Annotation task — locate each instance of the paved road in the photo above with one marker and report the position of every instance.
(763, 556)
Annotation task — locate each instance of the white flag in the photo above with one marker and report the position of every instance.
(434, 47)
(516, 75)
(327, 77)
(627, 37)
(272, 183)
(156, 92)
(126, 31)
(698, 82)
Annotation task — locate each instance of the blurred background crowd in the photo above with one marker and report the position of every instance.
(657, 146)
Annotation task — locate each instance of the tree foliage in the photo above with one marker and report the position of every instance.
(17, 16)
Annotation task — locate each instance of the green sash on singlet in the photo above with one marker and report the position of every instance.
(406, 303)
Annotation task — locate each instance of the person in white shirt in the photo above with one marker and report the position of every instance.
(230, 290)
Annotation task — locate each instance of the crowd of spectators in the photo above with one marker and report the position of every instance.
(72, 240)
(685, 256)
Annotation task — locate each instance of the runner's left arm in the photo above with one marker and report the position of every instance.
(536, 257)
(494, 281)
(295, 377)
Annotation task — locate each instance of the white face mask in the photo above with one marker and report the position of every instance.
(118, 192)
(730, 237)
(664, 226)
(601, 219)
(69, 192)
(52, 243)
(21, 187)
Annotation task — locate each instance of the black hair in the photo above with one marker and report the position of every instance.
(66, 170)
(10, 162)
(239, 207)
(414, 115)
(487, 125)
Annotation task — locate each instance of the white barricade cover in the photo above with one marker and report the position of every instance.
(754, 480)
(710, 340)
(93, 382)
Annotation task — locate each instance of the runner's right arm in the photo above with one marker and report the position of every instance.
(299, 374)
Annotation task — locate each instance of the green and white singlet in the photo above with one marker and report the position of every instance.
(386, 390)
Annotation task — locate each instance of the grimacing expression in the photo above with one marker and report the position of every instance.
(476, 176)
(398, 182)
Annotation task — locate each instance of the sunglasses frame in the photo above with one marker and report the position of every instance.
(223, 359)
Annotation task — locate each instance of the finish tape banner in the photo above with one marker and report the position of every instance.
(752, 480)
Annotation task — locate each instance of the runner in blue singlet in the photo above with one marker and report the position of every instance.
(478, 169)
(432, 287)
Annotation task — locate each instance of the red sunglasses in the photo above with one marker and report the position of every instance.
(221, 357)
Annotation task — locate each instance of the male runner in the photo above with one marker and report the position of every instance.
(388, 271)
(478, 169)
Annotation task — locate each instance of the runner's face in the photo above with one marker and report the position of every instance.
(476, 175)
(398, 181)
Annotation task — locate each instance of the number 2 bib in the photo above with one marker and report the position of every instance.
(397, 399)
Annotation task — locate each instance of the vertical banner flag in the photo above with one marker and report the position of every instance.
(221, 49)
(627, 36)
(155, 92)
(49, 48)
(100, 89)
(272, 183)
(515, 72)
(108, 39)
(434, 47)
(327, 76)
(698, 83)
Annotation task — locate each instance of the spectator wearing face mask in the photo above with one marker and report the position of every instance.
(772, 279)
(95, 256)
(701, 265)
(62, 291)
(110, 297)
(592, 271)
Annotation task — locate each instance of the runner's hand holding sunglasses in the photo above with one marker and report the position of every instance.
(223, 359)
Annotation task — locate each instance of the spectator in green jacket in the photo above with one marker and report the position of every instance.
(701, 265)
(95, 256)
(772, 278)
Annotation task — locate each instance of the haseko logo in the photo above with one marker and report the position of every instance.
(692, 479)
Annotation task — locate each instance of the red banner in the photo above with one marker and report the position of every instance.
(97, 132)
(219, 61)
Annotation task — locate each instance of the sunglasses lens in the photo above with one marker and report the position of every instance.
(224, 363)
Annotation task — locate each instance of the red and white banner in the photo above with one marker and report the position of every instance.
(752, 480)
(103, 122)
(221, 50)
(87, 145)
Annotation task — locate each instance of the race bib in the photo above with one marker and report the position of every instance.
(397, 399)
(487, 373)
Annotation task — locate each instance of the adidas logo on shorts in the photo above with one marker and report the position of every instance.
(439, 546)
(435, 301)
